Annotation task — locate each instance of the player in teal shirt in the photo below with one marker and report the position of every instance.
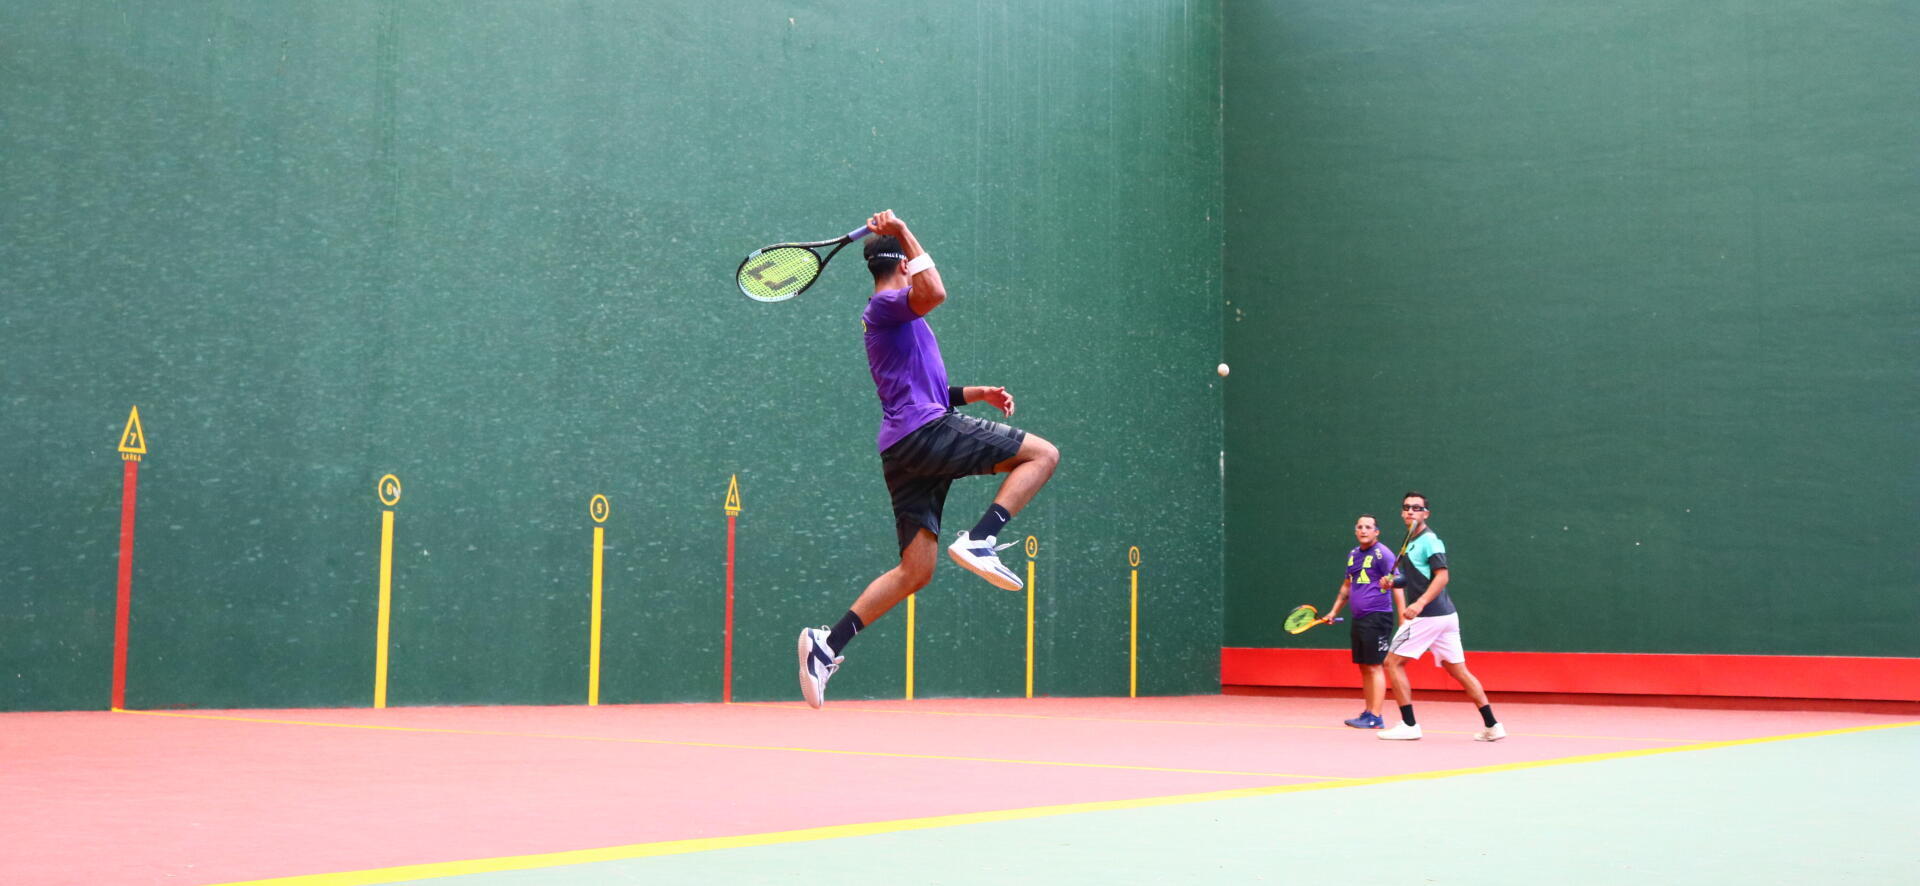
(1428, 623)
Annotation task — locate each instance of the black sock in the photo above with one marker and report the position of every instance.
(995, 520)
(1406, 715)
(843, 632)
(1486, 715)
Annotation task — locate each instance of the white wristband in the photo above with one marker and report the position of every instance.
(921, 262)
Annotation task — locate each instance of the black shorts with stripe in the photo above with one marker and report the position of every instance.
(1371, 635)
(923, 464)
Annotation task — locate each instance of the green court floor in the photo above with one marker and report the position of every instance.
(1826, 809)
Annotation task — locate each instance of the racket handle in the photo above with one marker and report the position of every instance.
(859, 232)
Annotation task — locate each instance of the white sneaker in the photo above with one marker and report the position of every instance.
(1401, 732)
(980, 557)
(817, 664)
(1491, 733)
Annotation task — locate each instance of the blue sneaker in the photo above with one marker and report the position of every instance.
(1366, 721)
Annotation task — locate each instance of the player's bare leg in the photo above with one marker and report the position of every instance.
(1494, 731)
(896, 584)
(976, 550)
(1396, 666)
(819, 650)
(1373, 690)
(1027, 471)
(1373, 686)
(1458, 670)
(1403, 693)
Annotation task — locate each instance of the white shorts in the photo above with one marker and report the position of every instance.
(1440, 633)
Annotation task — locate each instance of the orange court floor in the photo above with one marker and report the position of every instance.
(586, 794)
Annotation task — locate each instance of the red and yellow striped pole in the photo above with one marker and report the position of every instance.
(733, 511)
(133, 445)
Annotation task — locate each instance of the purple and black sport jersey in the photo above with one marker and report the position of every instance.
(907, 370)
(1365, 568)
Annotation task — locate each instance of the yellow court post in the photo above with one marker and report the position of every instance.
(1133, 629)
(389, 490)
(909, 648)
(1033, 547)
(598, 509)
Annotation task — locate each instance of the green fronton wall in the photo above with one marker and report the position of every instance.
(488, 248)
(1632, 290)
(1628, 289)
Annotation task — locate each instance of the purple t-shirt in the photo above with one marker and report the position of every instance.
(1365, 568)
(907, 370)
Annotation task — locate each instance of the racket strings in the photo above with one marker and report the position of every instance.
(779, 272)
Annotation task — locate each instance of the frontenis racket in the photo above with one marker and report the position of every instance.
(1396, 575)
(784, 270)
(1304, 617)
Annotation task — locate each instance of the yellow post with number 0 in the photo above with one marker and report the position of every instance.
(1033, 547)
(598, 509)
(1133, 629)
(389, 490)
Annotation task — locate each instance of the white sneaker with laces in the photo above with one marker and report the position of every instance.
(817, 664)
(1401, 732)
(981, 557)
(1491, 733)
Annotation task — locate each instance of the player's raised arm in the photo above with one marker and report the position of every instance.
(927, 292)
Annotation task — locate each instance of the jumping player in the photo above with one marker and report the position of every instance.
(924, 445)
(1429, 622)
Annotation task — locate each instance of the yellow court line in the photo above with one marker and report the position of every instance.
(736, 747)
(373, 877)
(789, 706)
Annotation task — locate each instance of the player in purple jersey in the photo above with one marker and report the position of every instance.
(1372, 616)
(924, 445)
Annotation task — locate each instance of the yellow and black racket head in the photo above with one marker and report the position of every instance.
(1301, 618)
(778, 273)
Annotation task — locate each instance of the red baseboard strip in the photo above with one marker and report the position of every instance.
(1747, 676)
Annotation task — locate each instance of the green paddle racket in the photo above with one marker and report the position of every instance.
(1304, 617)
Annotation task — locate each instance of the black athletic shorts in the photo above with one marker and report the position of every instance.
(1371, 635)
(923, 464)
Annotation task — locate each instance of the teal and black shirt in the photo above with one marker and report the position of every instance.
(1425, 554)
